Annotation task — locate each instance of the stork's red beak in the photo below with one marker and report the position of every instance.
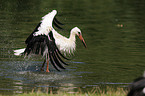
(83, 41)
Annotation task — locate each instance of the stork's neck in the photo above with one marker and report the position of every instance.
(72, 36)
(66, 45)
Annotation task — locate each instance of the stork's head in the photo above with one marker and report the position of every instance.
(77, 32)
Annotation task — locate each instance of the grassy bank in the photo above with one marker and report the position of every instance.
(95, 92)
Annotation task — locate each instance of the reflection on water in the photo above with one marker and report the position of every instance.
(113, 30)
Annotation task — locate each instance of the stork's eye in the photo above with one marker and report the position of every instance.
(79, 33)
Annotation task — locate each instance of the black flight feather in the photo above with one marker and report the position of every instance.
(55, 20)
(37, 45)
(55, 24)
(52, 62)
(57, 61)
(31, 35)
(61, 54)
(60, 59)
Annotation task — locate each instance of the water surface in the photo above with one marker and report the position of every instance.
(113, 30)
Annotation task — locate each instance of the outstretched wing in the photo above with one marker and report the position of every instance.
(45, 45)
(47, 21)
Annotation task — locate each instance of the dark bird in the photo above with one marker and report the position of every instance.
(137, 88)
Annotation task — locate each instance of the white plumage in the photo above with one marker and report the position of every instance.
(46, 25)
(66, 45)
(19, 51)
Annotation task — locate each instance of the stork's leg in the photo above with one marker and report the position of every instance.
(42, 67)
(47, 60)
(47, 70)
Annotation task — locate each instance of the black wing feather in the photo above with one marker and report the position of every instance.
(52, 62)
(31, 35)
(61, 54)
(55, 20)
(36, 45)
(55, 24)
(57, 61)
(60, 59)
(38, 48)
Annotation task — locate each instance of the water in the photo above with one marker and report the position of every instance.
(113, 31)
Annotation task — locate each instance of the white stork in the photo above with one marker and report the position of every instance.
(45, 41)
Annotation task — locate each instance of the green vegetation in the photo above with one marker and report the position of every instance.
(94, 92)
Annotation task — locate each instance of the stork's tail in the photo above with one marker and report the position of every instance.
(19, 52)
